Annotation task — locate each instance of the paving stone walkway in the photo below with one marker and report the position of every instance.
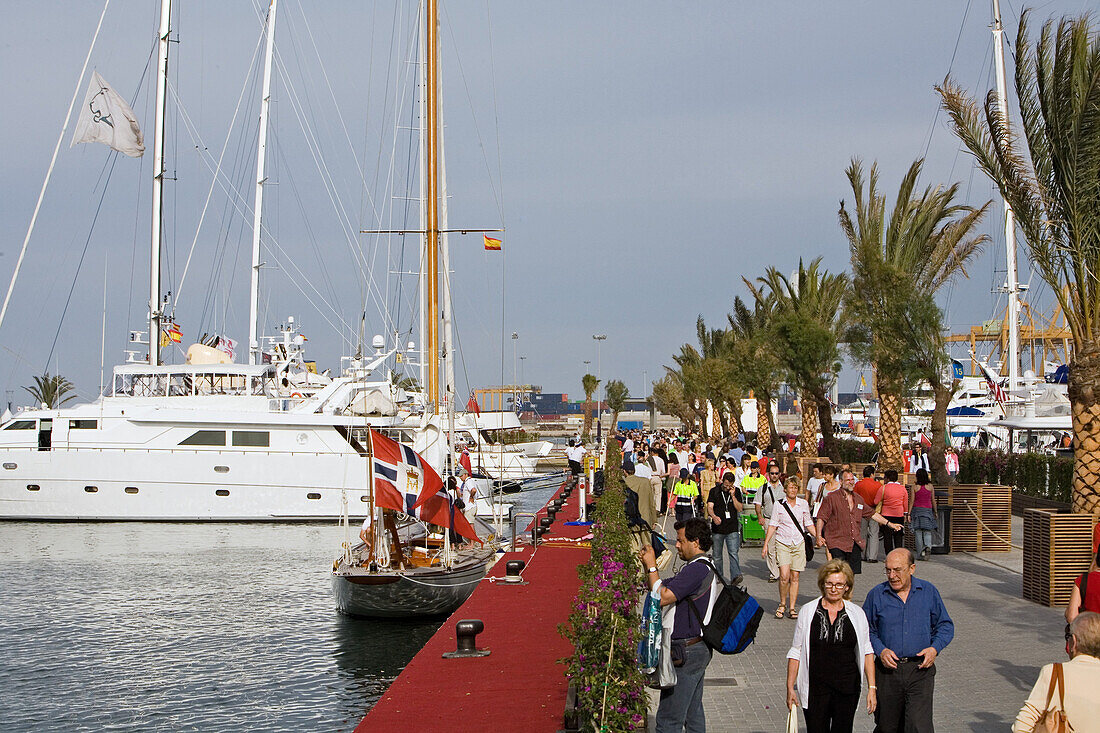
(983, 676)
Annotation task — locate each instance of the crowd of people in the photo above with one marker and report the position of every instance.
(888, 645)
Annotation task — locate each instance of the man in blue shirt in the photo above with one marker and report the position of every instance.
(681, 707)
(909, 628)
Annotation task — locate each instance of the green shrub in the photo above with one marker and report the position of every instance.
(855, 451)
(1034, 474)
(605, 626)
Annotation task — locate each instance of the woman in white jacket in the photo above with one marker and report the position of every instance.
(831, 645)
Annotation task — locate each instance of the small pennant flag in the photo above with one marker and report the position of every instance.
(491, 244)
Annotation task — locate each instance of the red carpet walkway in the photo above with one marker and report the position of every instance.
(520, 686)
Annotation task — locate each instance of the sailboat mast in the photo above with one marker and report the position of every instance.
(261, 178)
(432, 203)
(158, 183)
(422, 285)
(1012, 285)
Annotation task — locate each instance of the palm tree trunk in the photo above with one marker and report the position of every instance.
(763, 421)
(1084, 397)
(936, 457)
(735, 425)
(825, 420)
(809, 424)
(889, 430)
(587, 420)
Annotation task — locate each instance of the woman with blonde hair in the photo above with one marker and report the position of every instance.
(831, 645)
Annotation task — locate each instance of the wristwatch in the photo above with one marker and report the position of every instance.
(653, 569)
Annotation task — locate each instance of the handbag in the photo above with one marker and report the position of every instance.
(649, 646)
(1054, 721)
(805, 535)
(664, 677)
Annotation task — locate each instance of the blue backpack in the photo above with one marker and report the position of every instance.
(733, 620)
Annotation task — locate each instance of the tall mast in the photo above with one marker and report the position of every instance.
(261, 178)
(432, 201)
(422, 289)
(1012, 285)
(158, 183)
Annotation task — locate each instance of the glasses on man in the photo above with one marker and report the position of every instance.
(837, 586)
(895, 571)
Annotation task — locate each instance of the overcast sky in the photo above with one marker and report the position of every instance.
(641, 156)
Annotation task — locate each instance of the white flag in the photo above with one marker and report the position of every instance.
(106, 118)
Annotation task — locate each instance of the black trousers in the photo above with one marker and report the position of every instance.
(830, 711)
(904, 698)
(575, 467)
(854, 558)
(892, 539)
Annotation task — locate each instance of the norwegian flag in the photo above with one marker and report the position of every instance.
(404, 482)
(995, 388)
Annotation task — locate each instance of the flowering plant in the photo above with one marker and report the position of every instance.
(605, 625)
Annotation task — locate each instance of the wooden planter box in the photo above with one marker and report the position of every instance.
(993, 505)
(1057, 548)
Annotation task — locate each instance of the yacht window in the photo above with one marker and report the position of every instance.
(205, 437)
(82, 424)
(222, 492)
(131, 489)
(313, 495)
(124, 385)
(252, 438)
(91, 489)
(21, 425)
(33, 487)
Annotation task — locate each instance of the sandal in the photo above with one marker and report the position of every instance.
(792, 614)
(779, 611)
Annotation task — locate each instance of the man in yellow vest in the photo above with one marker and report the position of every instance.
(686, 492)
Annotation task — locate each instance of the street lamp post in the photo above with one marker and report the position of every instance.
(600, 338)
(522, 380)
(515, 369)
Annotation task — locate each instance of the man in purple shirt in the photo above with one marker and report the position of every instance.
(682, 706)
(909, 627)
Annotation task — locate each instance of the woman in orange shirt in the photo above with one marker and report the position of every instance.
(893, 503)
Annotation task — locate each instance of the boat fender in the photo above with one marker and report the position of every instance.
(295, 394)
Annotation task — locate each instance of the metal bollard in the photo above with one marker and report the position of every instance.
(512, 571)
(466, 632)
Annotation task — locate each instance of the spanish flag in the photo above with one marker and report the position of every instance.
(491, 244)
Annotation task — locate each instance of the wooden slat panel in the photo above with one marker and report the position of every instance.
(1057, 548)
(993, 505)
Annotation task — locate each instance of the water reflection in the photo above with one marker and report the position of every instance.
(213, 627)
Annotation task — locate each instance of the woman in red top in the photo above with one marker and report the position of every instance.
(894, 505)
(1081, 600)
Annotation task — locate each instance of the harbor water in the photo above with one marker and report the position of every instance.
(212, 627)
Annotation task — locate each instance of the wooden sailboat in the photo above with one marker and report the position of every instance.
(407, 564)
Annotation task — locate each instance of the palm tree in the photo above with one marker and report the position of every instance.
(668, 395)
(806, 327)
(406, 382)
(756, 362)
(898, 266)
(1054, 190)
(616, 399)
(688, 373)
(589, 384)
(51, 390)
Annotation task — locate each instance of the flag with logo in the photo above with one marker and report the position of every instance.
(107, 118)
(226, 345)
(404, 482)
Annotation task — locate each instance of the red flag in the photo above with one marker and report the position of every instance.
(473, 406)
(464, 461)
(405, 482)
